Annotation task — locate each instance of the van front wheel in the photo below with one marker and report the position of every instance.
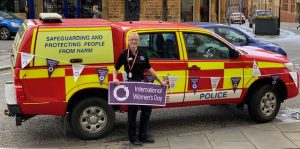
(92, 118)
(264, 104)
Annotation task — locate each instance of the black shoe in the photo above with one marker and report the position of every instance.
(148, 140)
(136, 142)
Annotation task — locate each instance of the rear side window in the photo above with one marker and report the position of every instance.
(18, 39)
(159, 45)
(92, 46)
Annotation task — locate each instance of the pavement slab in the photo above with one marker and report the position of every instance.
(43, 148)
(293, 136)
(119, 146)
(297, 143)
(77, 147)
(232, 145)
(267, 139)
(288, 127)
(264, 127)
(159, 143)
(225, 135)
(190, 142)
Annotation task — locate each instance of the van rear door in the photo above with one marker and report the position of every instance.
(88, 46)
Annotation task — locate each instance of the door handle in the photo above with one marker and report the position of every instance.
(76, 60)
(194, 67)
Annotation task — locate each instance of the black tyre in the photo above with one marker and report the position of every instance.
(92, 118)
(4, 33)
(264, 104)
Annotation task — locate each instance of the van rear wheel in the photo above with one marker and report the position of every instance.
(264, 104)
(92, 118)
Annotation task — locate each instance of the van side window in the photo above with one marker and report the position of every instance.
(200, 46)
(159, 45)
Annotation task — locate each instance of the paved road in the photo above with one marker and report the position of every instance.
(48, 131)
(5, 48)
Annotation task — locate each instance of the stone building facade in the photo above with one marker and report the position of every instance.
(169, 10)
(124, 10)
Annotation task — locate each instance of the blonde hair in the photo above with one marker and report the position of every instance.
(132, 34)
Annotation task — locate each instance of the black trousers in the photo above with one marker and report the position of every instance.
(144, 122)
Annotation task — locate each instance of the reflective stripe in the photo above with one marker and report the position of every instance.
(33, 41)
(269, 65)
(210, 95)
(41, 73)
(196, 30)
(74, 29)
(32, 45)
(180, 83)
(207, 65)
(248, 78)
(228, 73)
(175, 97)
(35, 103)
(84, 81)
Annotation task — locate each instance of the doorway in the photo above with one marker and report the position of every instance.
(187, 7)
(204, 11)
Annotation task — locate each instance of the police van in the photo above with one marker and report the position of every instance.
(55, 64)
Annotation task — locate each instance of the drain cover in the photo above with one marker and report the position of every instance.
(288, 115)
(296, 115)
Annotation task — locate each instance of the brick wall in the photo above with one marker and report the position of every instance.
(114, 10)
(173, 11)
(286, 16)
(151, 10)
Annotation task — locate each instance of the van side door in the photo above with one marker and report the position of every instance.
(211, 69)
(165, 53)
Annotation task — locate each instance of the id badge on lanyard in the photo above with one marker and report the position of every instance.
(130, 67)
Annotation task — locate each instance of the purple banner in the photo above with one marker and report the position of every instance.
(235, 82)
(275, 77)
(51, 66)
(101, 74)
(194, 83)
(149, 78)
(136, 93)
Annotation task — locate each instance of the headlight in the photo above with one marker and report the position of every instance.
(14, 24)
(292, 67)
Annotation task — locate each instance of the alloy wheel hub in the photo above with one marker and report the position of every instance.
(93, 119)
(268, 104)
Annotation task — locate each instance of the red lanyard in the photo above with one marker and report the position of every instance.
(136, 55)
